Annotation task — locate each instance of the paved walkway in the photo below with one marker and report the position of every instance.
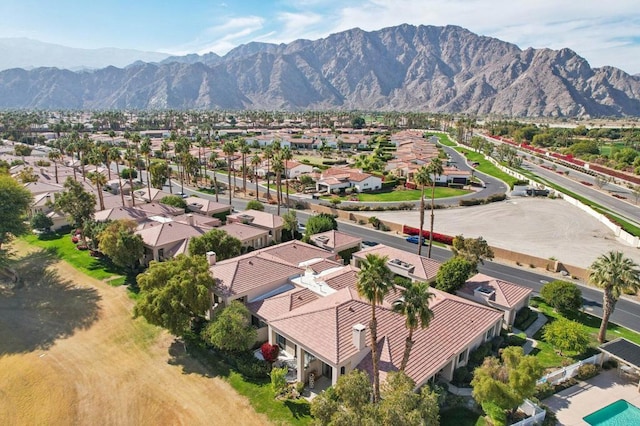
(531, 331)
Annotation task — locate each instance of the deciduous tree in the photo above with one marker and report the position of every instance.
(562, 295)
(119, 242)
(14, 204)
(231, 329)
(475, 250)
(218, 241)
(567, 335)
(453, 274)
(78, 204)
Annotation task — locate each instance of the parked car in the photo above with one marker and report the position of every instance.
(414, 239)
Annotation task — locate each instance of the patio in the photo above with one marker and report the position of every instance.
(572, 404)
(284, 360)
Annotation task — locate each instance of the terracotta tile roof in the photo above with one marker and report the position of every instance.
(117, 213)
(243, 232)
(246, 274)
(160, 209)
(505, 293)
(155, 234)
(425, 268)
(206, 206)
(262, 219)
(346, 277)
(276, 306)
(198, 219)
(332, 239)
(324, 265)
(40, 187)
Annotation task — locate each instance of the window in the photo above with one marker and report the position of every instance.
(257, 322)
(161, 254)
(490, 334)
(342, 370)
(308, 358)
(281, 341)
(462, 357)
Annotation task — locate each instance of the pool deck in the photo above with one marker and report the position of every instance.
(572, 404)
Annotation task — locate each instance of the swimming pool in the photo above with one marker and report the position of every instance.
(620, 413)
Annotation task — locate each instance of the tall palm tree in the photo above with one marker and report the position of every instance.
(245, 150)
(84, 146)
(374, 282)
(414, 305)
(145, 150)
(130, 157)
(421, 178)
(278, 167)
(613, 273)
(99, 180)
(435, 169)
(287, 155)
(136, 139)
(267, 153)
(55, 156)
(213, 159)
(115, 155)
(255, 163)
(164, 148)
(229, 149)
(72, 148)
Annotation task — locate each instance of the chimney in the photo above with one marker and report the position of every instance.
(190, 223)
(359, 336)
(211, 258)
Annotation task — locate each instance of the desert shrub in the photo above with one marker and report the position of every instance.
(496, 197)
(465, 202)
(462, 377)
(479, 354)
(251, 367)
(609, 364)
(587, 371)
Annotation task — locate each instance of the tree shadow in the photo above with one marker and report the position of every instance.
(299, 408)
(43, 307)
(195, 359)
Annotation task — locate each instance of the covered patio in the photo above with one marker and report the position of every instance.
(628, 356)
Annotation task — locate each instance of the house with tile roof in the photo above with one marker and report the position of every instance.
(339, 178)
(337, 242)
(167, 239)
(206, 207)
(403, 263)
(502, 295)
(271, 223)
(251, 237)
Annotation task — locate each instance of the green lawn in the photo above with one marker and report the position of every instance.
(64, 248)
(405, 195)
(444, 139)
(487, 167)
(547, 355)
(259, 392)
(461, 416)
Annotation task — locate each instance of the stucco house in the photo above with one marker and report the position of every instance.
(206, 207)
(339, 178)
(336, 241)
(251, 237)
(403, 263)
(271, 223)
(165, 240)
(507, 297)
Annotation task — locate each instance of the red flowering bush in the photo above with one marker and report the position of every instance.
(269, 352)
(441, 238)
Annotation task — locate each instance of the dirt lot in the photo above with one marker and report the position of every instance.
(70, 353)
(536, 226)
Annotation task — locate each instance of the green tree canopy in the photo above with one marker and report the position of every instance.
(400, 405)
(319, 223)
(507, 383)
(231, 330)
(224, 245)
(14, 204)
(160, 172)
(290, 223)
(475, 250)
(255, 205)
(174, 292)
(77, 203)
(41, 222)
(453, 274)
(562, 295)
(567, 335)
(174, 200)
(119, 242)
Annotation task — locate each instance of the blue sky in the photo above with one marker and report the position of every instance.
(605, 33)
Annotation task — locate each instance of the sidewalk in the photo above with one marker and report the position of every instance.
(530, 332)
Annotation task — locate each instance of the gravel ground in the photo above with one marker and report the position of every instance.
(536, 226)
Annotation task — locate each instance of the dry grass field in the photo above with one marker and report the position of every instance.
(70, 353)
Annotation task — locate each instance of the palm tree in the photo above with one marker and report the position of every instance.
(374, 282)
(115, 155)
(245, 150)
(71, 148)
(422, 178)
(136, 139)
(164, 148)
(213, 159)
(278, 167)
(435, 169)
(414, 305)
(287, 155)
(613, 273)
(255, 162)
(55, 156)
(145, 150)
(99, 180)
(229, 149)
(268, 154)
(130, 156)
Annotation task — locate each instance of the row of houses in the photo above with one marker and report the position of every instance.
(304, 299)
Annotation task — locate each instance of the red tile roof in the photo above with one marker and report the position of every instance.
(505, 293)
(425, 268)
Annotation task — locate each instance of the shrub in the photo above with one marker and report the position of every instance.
(496, 197)
(609, 364)
(562, 295)
(524, 318)
(269, 352)
(462, 377)
(497, 415)
(465, 202)
(279, 380)
(515, 340)
(255, 205)
(251, 367)
(587, 371)
(300, 387)
(479, 354)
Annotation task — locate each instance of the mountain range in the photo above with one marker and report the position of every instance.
(404, 68)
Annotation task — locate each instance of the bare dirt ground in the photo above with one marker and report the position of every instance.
(70, 353)
(536, 226)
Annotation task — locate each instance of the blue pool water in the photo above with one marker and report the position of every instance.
(620, 413)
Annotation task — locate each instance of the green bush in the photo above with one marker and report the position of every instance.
(609, 364)
(496, 197)
(524, 318)
(300, 387)
(279, 380)
(562, 295)
(587, 371)
(462, 377)
(497, 415)
(465, 202)
(515, 340)
(251, 367)
(479, 354)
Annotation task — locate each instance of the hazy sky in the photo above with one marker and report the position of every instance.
(603, 32)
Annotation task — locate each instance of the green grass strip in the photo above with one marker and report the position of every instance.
(486, 166)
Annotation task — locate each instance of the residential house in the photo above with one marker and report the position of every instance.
(337, 242)
(207, 207)
(150, 196)
(251, 237)
(263, 220)
(165, 240)
(339, 178)
(403, 263)
(295, 169)
(504, 296)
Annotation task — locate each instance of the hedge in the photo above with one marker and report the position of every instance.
(441, 238)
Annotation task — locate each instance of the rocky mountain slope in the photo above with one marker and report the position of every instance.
(424, 68)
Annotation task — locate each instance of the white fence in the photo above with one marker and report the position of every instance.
(565, 373)
(536, 414)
